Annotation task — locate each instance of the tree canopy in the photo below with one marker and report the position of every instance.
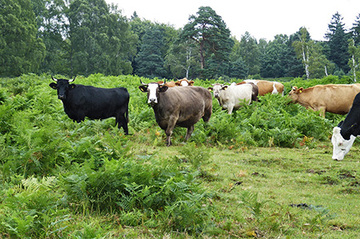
(86, 37)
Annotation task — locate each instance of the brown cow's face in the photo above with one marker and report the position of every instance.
(294, 93)
(153, 90)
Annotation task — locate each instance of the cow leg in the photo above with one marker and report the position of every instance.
(121, 121)
(169, 130)
(189, 132)
(230, 109)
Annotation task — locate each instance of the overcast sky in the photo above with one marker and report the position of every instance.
(261, 18)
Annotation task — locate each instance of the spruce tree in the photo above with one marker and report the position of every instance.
(338, 43)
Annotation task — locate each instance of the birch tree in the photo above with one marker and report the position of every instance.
(302, 48)
(355, 57)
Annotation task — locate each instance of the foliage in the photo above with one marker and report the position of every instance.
(209, 32)
(338, 43)
(62, 178)
(20, 50)
(150, 59)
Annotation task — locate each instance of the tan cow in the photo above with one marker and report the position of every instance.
(266, 87)
(184, 82)
(333, 98)
(168, 84)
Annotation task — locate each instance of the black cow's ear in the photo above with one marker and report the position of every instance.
(143, 88)
(163, 88)
(72, 86)
(53, 85)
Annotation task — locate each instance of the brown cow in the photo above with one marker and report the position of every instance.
(184, 82)
(266, 87)
(333, 98)
(168, 84)
(178, 106)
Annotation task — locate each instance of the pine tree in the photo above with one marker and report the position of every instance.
(338, 43)
(355, 31)
(209, 32)
(150, 60)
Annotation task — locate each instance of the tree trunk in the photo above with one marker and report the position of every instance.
(202, 58)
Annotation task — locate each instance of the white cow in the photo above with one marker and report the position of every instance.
(233, 96)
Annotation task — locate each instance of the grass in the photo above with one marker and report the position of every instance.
(323, 193)
(61, 179)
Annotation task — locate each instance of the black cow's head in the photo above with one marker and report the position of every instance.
(62, 86)
(153, 90)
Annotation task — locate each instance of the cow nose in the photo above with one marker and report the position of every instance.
(152, 101)
(61, 97)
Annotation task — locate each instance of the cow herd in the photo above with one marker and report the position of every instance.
(182, 104)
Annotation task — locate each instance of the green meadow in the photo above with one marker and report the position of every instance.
(263, 172)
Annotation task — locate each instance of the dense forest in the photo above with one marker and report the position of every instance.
(78, 37)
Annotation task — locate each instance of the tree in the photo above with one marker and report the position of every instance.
(53, 30)
(250, 53)
(302, 48)
(101, 40)
(273, 60)
(20, 50)
(355, 31)
(181, 58)
(338, 43)
(209, 32)
(355, 57)
(150, 60)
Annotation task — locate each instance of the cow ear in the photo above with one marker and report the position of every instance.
(178, 83)
(53, 85)
(72, 86)
(163, 88)
(224, 87)
(191, 82)
(210, 88)
(143, 88)
(301, 89)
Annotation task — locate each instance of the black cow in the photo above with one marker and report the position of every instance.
(178, 106)
(345, 133)
(82, 101)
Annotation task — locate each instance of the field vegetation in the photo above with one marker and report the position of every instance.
(263, 172)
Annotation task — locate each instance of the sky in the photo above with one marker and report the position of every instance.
(261, 18)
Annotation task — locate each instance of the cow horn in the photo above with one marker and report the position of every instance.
(142, 82)
(72, 79)
(54, 79)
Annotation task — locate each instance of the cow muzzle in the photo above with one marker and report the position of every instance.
(152, 101)
(61, 97)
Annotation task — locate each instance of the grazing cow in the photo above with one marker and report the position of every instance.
(178, 106)
(233, 96)
(82, 101)
(346, 132)
(331, 98)
(266, 87)
(184, 82)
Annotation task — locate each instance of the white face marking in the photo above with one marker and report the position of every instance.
(184, 83)
(341, 146)
(152, 87)
(216, 90)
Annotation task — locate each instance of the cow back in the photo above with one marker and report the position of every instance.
(95, 103)
(188, 104)
(335, 98)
